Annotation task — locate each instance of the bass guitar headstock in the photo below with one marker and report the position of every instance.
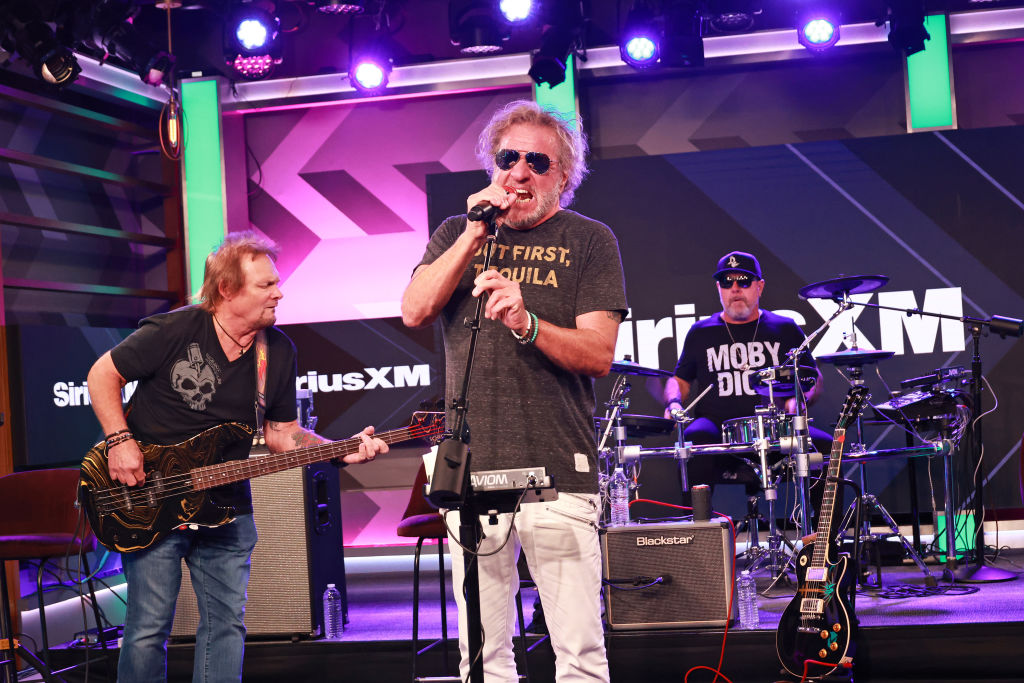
(427, 425)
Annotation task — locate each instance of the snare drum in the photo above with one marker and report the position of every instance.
(744, 429)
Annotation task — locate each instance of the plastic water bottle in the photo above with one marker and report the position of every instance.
(332, 613)
(746, 593)
(618, 493)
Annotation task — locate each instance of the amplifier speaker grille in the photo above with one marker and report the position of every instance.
(300, 551)
(693, 561)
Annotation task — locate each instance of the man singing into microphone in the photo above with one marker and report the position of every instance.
(554, 300)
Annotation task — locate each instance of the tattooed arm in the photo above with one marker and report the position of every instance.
(288, 436)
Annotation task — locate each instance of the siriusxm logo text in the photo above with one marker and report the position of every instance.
(69, 394)
(663, 540)
(389, 377)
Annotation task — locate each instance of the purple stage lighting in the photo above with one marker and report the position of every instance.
(252, 33)
(818, 31)
(640, 51)
(370, 73)
(251, 44)
(516, 11)
(640, 42)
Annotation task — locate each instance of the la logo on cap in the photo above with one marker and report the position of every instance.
(733, 262)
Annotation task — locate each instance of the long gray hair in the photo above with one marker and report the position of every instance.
(572, 142)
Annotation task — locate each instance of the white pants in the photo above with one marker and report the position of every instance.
(564, 556)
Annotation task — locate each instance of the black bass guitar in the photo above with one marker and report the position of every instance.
(816, 632)
(179, 476)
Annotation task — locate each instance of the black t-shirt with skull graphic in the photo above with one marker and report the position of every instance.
(186, 385)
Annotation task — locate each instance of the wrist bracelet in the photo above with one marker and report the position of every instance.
(536, 328)
(521, 338)
(531, 332)
(110, 436)
(118, 440)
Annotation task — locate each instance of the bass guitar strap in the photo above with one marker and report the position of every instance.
(262, 358)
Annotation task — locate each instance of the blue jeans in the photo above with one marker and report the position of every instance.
(218, 561)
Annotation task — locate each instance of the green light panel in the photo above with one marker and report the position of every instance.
(204, 176)
(963, 534)
(929, 84)
(561, 98)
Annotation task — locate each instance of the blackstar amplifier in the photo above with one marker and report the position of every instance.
(668, 575)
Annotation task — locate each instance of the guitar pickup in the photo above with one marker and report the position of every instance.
(812, 606)
(816, 574)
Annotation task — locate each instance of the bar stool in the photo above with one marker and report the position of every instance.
(41, 523)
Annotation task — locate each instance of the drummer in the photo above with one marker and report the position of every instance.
(726, 350)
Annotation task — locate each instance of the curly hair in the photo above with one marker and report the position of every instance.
(224, 265)
(572, 142)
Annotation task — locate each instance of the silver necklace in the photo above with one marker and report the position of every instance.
(745, 366)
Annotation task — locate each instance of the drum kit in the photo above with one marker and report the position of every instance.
(771, 432)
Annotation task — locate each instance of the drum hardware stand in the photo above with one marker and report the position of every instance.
(871, 504)
(777, 558)
(1003, 326)
(615, 403)
(683, 418)
(800, 447)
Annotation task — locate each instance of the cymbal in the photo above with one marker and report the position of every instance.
(847, 284)
(628, 367)
(854, 357)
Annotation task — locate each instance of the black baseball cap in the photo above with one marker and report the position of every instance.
(738, 262)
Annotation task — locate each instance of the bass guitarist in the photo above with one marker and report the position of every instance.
(197, 368)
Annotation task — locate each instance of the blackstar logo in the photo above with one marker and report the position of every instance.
(663, 540)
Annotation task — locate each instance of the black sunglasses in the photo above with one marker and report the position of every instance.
(727, 281)
(537, 161)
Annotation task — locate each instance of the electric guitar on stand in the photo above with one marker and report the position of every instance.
(816, 632)
(179, 476)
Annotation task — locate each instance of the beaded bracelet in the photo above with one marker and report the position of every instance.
(110, 436)
(521, 338)
(118, 440)
(530, 335)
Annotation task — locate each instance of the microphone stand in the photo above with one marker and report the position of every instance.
(1003, 326)
(449, 485)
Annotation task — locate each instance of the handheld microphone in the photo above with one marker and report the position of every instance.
(482, 212)
(485, 211)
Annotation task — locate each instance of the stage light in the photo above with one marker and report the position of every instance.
(682, 44)
(563, 27)
(251, 44)
(516, 11)
(370, 68)
(114, 33)
(906, 26)
(817, 29)
(733, 16)
(475, 27)
(26, 34)
(341, 6)
(640, 43)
